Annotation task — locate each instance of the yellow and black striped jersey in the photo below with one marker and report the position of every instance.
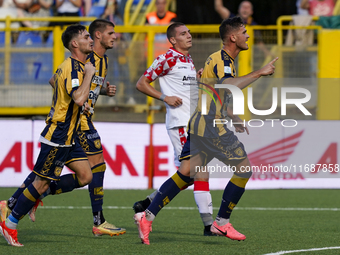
(63, 118)
(101, 64)
(212, 103)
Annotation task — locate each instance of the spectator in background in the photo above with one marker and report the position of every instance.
(9, 8)
(67, 8)
(34, 8)
(300, 11)
(161, 16)
(319, 7)
(99, 8)
(245, 10)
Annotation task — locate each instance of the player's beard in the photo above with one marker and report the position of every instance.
(88, 51)
(243, 46)
(106, 46)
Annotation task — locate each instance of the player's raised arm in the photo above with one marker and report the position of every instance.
(144, 86)
(243, 81)
(80, 95)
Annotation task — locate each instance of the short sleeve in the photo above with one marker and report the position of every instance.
(72, 82)
(225, 70)
(160, 67)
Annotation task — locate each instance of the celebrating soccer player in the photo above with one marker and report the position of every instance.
(71, 91)
(204, 141)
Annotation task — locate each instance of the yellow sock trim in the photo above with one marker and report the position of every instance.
(239, 181)
(74, 177)
(179, 182)
(98, 169)
(29, 195)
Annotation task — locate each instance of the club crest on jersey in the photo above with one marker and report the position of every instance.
(57, 171)
(97, 143)
(239, 152)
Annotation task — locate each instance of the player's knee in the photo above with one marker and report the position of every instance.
(184, 169)
(85, 178)
(41, 184)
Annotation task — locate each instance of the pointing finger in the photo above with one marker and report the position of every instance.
(274, 60)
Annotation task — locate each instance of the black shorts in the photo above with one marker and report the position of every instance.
(225, 148)
(51, 160)
(90, 141)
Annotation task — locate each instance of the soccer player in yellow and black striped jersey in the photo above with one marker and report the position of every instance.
(103, 34)
(71, 90)
(205, 142)
(87, 138)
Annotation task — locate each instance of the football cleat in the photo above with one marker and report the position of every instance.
(107, 229)
(227, 230)
(207, 231)
(141, 206)
(4, 210)
(10, 235)
(31, 213)
(144, 227)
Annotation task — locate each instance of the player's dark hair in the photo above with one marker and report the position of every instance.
(229, 25)
(99, 25)
(71, 32)
(171, 31)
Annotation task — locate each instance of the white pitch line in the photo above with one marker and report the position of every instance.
(296, 251)
(195, 208)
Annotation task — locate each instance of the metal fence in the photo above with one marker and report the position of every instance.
(28, 59)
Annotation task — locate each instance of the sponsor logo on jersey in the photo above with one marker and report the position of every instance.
(92, 136)
(97, 80)
(188, 78)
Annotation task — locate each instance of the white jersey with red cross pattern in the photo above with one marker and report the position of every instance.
(177, 77)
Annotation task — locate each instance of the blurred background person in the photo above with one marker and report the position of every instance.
(99, 8)
(9, 8)
(318, 7)
(34, 8)
(161, 17)
(67, 8)
(245, 11)
(300, 11)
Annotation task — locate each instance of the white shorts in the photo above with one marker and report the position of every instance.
(178, 137)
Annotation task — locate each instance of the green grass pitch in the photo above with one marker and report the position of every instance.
(260, 216)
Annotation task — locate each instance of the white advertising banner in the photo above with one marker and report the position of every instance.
(305, 156)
